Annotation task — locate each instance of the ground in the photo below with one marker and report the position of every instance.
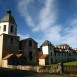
(18, 73)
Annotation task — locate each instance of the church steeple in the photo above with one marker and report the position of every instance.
(8, 24)
(8, 18)
(9, 11)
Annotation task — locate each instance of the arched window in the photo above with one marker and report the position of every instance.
(11, 29)
(4, 29)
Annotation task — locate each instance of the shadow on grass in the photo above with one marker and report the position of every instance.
(15, 73)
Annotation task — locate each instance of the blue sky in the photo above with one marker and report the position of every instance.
(53, 20)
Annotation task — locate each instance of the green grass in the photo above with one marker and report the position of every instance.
(74, 63)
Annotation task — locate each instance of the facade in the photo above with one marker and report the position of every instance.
(10, 59)
(43, 60)
(14, 51)
(48, 48)
(59, 53)
(11, 44)
(29, 48)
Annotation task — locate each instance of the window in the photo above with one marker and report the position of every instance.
(30, 55)
(11, 40)
(51, 60)
(69, 54)
(11, 29)
(50, 48)
(55, 54)
(4, 29)
(65, 54)
(51, 53)
(62, 53)
(30, 42)
(15, 30)
(59, 54)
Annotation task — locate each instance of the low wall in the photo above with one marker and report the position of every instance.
(41, 69)
(70, 69)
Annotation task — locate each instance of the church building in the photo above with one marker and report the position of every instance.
(9, 41)
(14, 51)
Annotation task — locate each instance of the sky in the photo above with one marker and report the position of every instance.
(53, 20)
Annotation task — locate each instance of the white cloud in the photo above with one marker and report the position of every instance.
(46, 15)
(53, 33)
(24, 36)
(71, 34)
(22, 7)
(47, 18)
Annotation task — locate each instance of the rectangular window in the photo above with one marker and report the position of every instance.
(65, 54)
(4, 29)
(50, 48)
(30, 55)
(11, 40)
(69, 54)
(55, 54)
(51, 53)
(30, 42)
(11, 29)
(51, 60)
(62, 53)
(59, 54)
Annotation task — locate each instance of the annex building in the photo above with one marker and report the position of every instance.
(14, 51)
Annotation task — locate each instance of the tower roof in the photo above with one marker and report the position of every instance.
(46, 43)
(8, 18)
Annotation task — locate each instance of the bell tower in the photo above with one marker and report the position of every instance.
(9, 41)
(8, 24)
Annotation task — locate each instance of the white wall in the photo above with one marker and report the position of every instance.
(8, 27)
(2, 26)
(4, 63)
(48, 50)
(1, 48)
(45, 50)
(14, 29)
(41, 61)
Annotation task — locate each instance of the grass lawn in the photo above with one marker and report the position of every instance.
(74, 63)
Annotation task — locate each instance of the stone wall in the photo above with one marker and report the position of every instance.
(24, 45)
(10, 44)
(40, 69)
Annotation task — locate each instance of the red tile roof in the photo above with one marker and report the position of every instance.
(43, 56)
(19, 55)
(8, 56)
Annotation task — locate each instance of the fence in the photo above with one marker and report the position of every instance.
(70, 69)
